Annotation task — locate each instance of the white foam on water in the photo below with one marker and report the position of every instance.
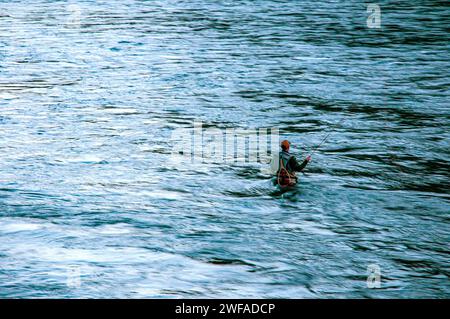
(162, 194)
(116, 229)
(7, 96)
(12, 225)
(17, 227)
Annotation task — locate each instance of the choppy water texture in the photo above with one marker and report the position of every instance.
(90, 92)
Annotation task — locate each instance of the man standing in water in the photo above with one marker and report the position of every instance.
(287, 166)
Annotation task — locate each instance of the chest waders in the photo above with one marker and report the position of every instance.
(284, 178)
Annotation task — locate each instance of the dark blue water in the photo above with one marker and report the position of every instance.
(91, 206)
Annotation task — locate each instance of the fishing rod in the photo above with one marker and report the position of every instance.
(324, 139)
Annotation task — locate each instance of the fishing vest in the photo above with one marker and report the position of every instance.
(285, 177)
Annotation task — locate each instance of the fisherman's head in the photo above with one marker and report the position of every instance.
(285, 145)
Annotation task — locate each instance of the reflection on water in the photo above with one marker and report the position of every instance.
(91, 92)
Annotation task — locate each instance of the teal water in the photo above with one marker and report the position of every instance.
(90, 92)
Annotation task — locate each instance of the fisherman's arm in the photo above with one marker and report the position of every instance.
(299, 167)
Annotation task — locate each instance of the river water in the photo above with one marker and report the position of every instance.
(91, 206)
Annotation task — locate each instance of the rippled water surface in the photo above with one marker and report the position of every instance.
(90, 92)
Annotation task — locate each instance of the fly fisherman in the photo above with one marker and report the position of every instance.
(286, 165)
